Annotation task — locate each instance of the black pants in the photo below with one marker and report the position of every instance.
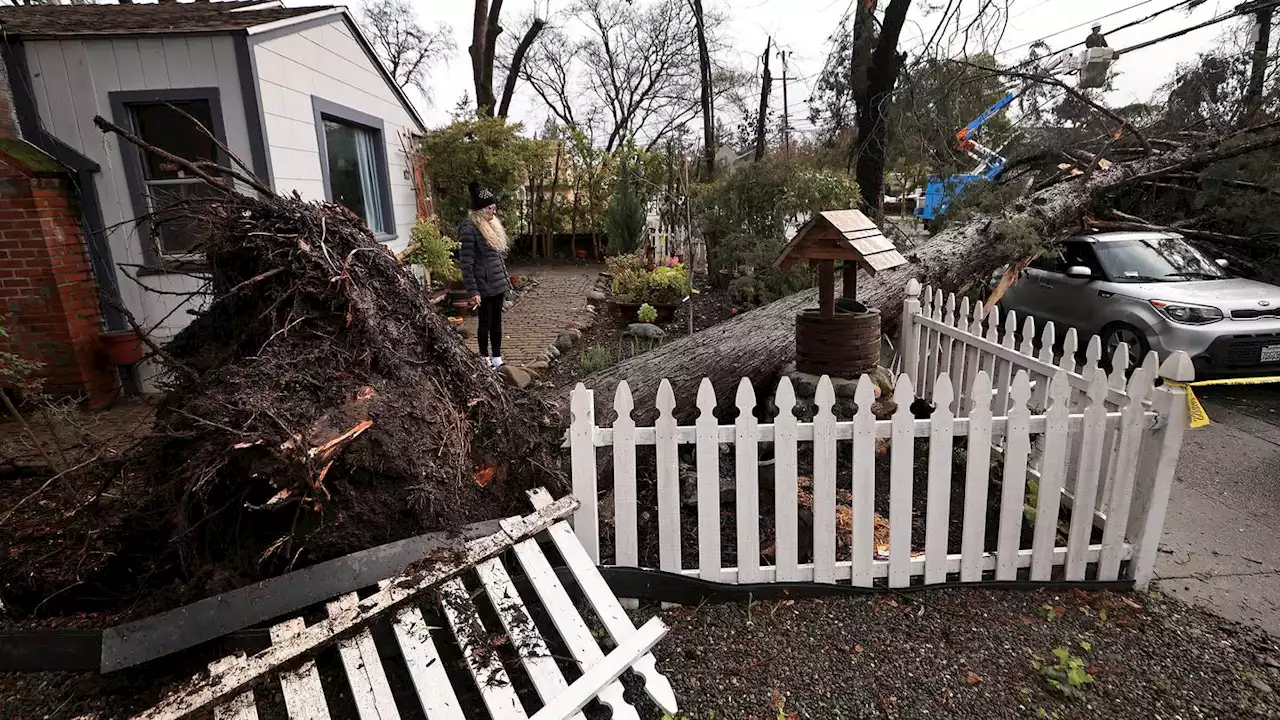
(490, 331)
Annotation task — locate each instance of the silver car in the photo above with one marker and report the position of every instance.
(1153, 291)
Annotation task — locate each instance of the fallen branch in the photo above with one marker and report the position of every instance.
(1102, 109)
(1232, 240)
(13, 410)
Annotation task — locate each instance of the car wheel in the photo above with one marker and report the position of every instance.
(1118, 333)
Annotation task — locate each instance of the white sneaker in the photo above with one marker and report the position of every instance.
(495, 362)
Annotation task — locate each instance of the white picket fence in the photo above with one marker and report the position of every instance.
(1081, 434)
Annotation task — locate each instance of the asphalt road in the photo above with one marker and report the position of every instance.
(1221, 544)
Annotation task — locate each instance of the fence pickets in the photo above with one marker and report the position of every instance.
(1042, 432)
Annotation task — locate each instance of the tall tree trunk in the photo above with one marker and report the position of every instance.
(871, 147)
(517, 61)
(551, 208)
(766, 82)
(479, 37)
(485, 30)
(708, 108)
(1258, 74)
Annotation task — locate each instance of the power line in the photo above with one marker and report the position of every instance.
(1126, 26)
(1240, 11)
(1086, 23)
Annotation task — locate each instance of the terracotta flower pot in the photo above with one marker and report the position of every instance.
(122, 347)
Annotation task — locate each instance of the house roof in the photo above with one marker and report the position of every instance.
(842, 235)
(139, 19)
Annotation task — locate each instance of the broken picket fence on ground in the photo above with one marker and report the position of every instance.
(1104, 445)
(228, 688)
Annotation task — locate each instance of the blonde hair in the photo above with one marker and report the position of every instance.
(492, 230)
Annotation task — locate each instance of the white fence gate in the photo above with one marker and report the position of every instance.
(1091, 441)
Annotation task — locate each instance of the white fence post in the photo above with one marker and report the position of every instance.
(708, 456)
(910, 344)
(786, 490)
(586, 519)
(665, 441)
(747, 466)
(864, 484)
(1125, 471)
(1160, 452)
(625, 528)
(901, 479)
(824, 484)
(1017, 450)
(1052, 468)
(938, 509)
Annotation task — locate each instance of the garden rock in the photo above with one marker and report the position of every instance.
(595, 297)
(566, 340)
(516, 376)
(553, 351)
(644, 331)
(538, 367)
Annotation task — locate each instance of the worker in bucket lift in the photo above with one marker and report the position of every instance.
(1095, 39)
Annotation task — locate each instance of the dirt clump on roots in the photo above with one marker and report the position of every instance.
(316, 406)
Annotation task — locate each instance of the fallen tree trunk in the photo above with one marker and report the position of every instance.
(757, 344)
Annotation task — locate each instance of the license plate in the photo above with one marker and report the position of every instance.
(1270, 353)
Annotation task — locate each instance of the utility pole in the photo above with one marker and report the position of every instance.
(766, 83)
(786, 112)
(1261, 44)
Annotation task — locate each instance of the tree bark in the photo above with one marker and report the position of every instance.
(872, 144)
(479, 24)
(708, 109)
(517, 61)
(757, 344)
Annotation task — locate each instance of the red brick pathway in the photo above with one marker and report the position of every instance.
(544, 312)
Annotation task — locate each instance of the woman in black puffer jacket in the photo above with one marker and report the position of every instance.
(484, 243)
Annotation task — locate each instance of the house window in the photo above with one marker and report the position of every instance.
(356, 171)
(169, 189)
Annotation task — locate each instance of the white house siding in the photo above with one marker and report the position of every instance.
(328, 62)
(72, 80)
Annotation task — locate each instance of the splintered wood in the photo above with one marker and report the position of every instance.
(438, 590)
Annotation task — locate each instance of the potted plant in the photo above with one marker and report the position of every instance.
(435, 253)
(664, 287)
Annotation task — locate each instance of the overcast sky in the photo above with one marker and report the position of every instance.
(802, 27)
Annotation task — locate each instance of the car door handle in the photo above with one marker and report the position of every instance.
(1044, 284)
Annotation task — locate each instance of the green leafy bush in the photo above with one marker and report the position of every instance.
(745, 217)
(435, 251)
(594, 359)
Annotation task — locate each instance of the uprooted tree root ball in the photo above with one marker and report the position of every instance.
(316, 406)
(319, 405)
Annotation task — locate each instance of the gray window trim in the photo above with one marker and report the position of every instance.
(121, 102)
(251, 92)
(327, 109)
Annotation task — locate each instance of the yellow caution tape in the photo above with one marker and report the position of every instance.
(1195, 411)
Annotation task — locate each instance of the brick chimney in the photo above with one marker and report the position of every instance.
(48, 298)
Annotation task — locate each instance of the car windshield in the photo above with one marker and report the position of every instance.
(1155, 260)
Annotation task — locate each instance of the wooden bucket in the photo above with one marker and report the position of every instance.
(845, 345)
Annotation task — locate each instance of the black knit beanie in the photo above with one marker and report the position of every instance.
(481, 197)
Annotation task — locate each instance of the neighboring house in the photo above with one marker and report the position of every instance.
(296, 93)
(728, 159)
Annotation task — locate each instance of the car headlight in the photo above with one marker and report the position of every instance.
(1187, 314)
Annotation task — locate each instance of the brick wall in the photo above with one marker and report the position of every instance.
(47, 291)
